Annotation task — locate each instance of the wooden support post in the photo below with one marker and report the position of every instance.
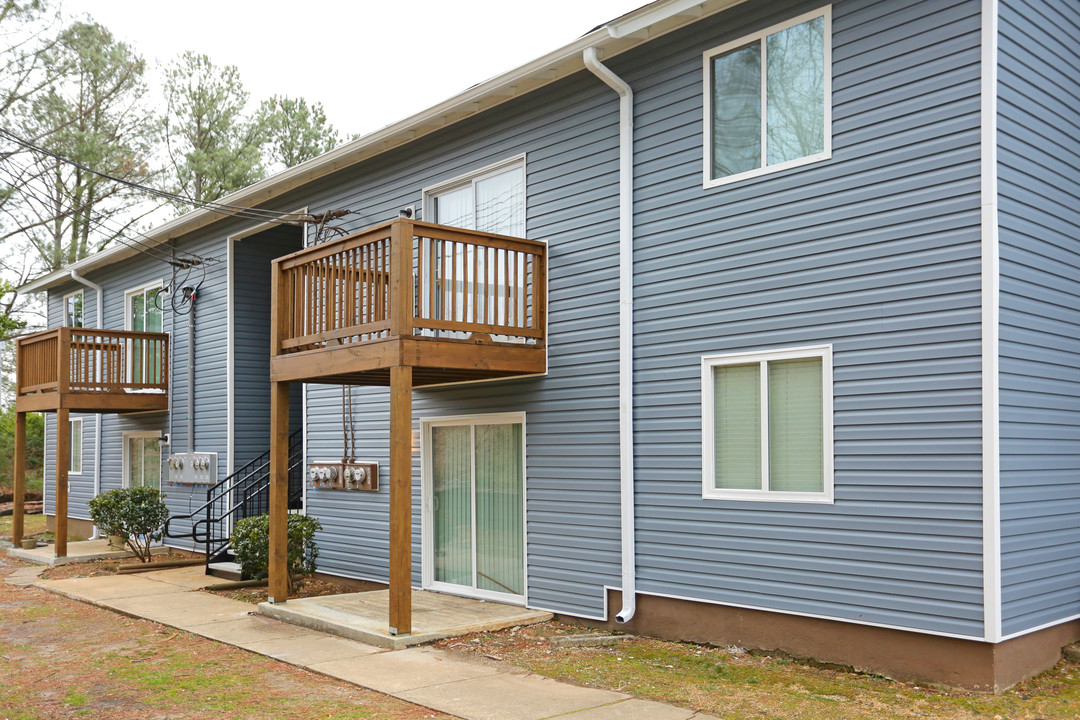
(279, 491)
(63, 462)
(400, 500)
(20, 479)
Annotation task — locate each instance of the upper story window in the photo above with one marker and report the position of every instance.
(767, 425)
(490, 200)
(768, 100)
(143, 313)
(73, 309)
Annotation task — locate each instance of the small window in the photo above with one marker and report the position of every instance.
(73, 309)
(767, 100)
(767, 425)
(75, 444)
(142, 460)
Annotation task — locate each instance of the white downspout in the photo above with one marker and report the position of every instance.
(97, 425)
(626, 327)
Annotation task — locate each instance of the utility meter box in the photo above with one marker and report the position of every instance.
(343, 476)
(196, 468)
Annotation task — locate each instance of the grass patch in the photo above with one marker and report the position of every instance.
(737, 685)
(32, 525)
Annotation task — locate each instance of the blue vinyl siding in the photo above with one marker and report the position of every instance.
(876, 251)
(569, 135)
(211, 397)
(1039, 196)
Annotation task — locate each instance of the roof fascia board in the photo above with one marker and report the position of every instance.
(624, 33)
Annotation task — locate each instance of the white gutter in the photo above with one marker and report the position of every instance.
(626, 327)
(100, 318)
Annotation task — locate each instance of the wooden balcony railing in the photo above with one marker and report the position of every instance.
(84, 361)
(411, 279)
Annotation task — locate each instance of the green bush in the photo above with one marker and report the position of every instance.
(251, 545)
(137, 514)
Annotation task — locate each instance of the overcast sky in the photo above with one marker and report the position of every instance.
(369, 63)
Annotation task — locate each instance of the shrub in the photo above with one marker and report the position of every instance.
(251, 545)
(137, 514)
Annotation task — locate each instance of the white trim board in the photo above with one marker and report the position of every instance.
(990, 294)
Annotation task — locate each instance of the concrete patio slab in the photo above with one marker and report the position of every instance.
(510, 697)
(363, 616)
(311, 647)
(636, 710)
(106, 587)
(394, 672)
(250, 629)
(80, 551)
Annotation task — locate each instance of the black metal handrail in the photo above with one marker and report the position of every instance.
(244, 493)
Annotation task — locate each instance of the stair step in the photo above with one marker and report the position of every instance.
(224, 570)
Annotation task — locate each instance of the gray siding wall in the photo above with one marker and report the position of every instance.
(569, 135)
(877, 252)
(251, 339)
(1039, 195)
(210, 362)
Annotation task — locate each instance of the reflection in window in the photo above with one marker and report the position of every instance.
(768, 99)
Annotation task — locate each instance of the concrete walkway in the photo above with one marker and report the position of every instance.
(421, 675)
(78, 551)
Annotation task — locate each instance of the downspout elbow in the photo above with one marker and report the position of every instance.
(626, 328)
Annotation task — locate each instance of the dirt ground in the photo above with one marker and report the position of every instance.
(733, 684)
(64, 659)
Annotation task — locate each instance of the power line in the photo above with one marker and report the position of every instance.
(102, 224)
(221, 208)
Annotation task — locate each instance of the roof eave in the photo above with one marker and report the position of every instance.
(617, 36)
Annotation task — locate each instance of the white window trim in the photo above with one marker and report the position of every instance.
(427, 532)
(469, 178)
(708, 55)
(708, 425)
(128, 294)
(64, 308)
(71, 446)
(125, 476)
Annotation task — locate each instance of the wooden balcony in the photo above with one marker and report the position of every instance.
(452, 304)
(90, 370)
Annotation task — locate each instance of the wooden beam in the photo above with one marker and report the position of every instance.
(63, 462)
(20, 479)
(400, 500)
(279, 491)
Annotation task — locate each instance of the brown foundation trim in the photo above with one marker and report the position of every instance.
(77, 529)
(898, 654)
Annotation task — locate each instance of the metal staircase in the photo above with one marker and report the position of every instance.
(243, 494)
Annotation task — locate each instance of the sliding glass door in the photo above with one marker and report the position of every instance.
(475, 507)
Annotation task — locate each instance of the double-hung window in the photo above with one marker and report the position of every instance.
(767, 100)
(767, 425)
